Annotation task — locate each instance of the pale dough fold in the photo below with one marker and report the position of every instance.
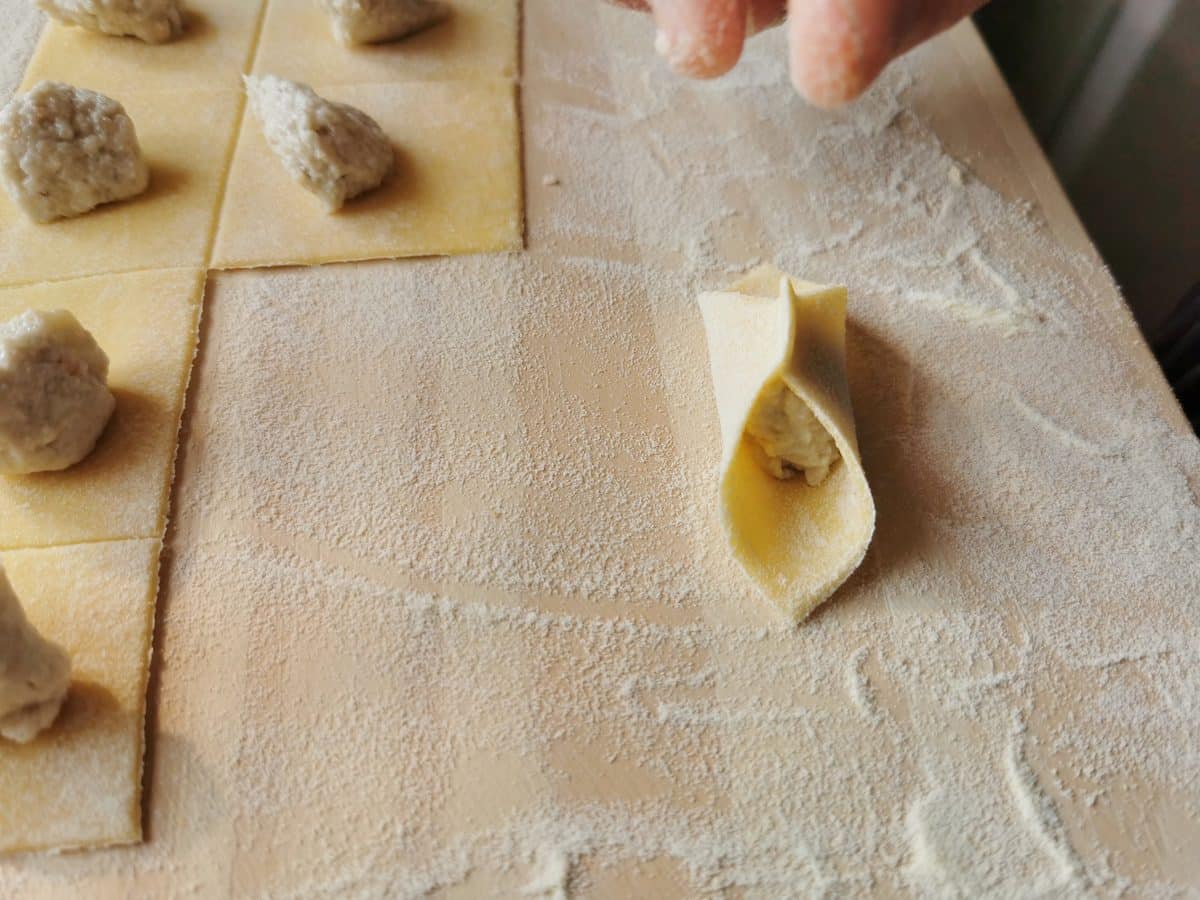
(797, 541)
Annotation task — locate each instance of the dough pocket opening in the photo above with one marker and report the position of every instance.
(786, 437)
(795, 505)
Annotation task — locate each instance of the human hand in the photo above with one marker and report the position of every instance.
(836, 47)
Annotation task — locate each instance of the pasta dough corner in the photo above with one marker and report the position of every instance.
(797, 542)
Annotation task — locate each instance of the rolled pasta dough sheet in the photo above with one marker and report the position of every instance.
(797, 542)
(84, 586)
(79, 782)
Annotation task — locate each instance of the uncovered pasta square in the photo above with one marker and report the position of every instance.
(456, 188)
(146, 323)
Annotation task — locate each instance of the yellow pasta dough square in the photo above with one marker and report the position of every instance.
(146, 323)
(186, 137)
(79, 783)
(479, 39)
(213, 51)
(456, 188)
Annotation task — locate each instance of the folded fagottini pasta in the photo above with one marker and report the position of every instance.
(795, 504)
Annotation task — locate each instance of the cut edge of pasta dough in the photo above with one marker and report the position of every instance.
(798, 543)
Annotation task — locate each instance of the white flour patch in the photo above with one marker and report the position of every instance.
(551, 877)
(858, 685)
(1071, 441)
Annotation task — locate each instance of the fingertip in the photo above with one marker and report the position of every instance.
(837, 48)
(697, 58)
(830, 85)
(700, 38)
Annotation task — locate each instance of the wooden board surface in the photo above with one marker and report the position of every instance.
(445, 607)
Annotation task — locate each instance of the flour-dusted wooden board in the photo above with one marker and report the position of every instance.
(445, 607)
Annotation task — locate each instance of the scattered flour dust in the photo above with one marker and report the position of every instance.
(858, 685)
(447, 610)
(1038, 810)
